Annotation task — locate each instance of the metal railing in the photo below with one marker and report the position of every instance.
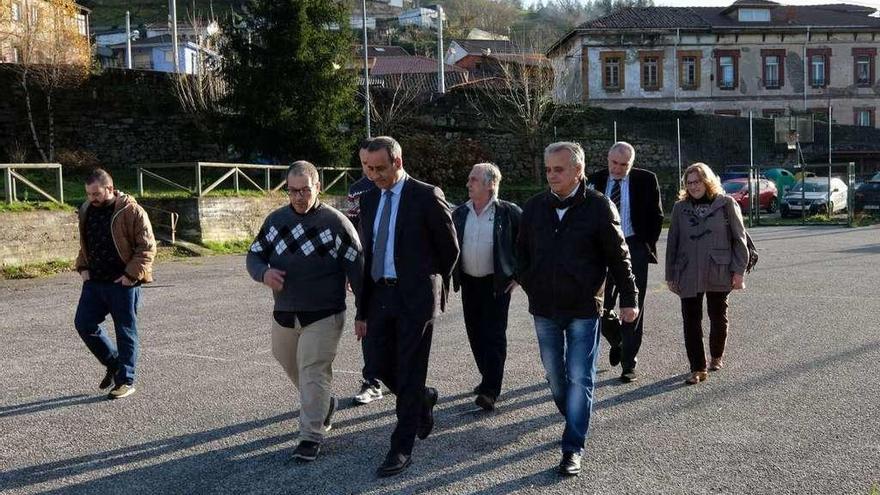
(235, 172)
(173, 217)
(11, 177)
(341, 173)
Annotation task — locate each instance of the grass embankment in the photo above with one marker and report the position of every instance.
(229, 247)
(34, 206)
(54, 267)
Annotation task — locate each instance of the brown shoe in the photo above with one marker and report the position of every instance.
(716, 364)
(697, 377)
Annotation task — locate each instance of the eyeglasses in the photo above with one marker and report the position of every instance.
(299, 192)
(691, 183)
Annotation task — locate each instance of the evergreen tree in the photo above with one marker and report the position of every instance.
(290, 87)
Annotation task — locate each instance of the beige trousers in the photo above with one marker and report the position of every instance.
(306, 354)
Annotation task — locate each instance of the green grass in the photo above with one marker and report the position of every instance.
(875, 489)
(864, 220)
(34, 206)
(229, 247)
(169, 253)
(34, 270)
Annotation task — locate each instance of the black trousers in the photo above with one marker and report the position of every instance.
(399, 346)
(485, 318)
(629, 337)
(692, 317)
(369, 371)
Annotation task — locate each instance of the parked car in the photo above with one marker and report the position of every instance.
(812, 196)
(734, 172)
(738, 189)
(867, 196)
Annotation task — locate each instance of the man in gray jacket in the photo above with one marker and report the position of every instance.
(304, 252)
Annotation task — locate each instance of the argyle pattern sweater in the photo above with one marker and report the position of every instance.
(318, 251)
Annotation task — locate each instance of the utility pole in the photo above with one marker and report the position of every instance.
(173, 4)
(128, 40)
(366, 71)
(441, 84)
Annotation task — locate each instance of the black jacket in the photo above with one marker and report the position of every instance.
(425, 248)
(645, 207)
(506, 229)
(563, 263)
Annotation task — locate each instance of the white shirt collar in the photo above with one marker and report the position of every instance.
(396, 188)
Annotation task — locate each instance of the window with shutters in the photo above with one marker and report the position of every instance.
(612, 71)
(689, 69)
(863, 66)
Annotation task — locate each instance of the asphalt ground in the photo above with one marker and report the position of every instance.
(796, 410)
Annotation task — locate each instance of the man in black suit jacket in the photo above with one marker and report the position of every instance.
(410, 248)
(636, 194)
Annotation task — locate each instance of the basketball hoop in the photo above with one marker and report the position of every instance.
(793, 129)
(791, 140)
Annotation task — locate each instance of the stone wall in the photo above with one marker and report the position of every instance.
(117, 118)
(220, 219)
(38, 236)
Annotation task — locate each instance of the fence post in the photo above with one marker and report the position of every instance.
(678, 140)
(7, 182)
(199, 178)
(235, 179)
(14, 186)
(615, 131)
(140, 177)
(268, 180)
(752, 174)
(850, 198)
(60, 185)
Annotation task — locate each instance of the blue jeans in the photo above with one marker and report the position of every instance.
(569, 348)
(98, 299)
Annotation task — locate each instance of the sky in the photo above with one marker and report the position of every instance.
(724, 3)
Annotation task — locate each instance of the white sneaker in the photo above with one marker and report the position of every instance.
(121, 391)
(368, 393)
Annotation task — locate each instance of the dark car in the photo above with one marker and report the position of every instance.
(738, 189)
(867, 197)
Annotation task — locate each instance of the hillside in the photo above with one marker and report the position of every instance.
(108, 13)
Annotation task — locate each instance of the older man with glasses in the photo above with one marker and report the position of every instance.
(304, 252)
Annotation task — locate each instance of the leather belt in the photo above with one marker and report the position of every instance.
(387, 282)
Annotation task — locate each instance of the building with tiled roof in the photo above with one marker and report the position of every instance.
(753, 56)
(459, 49)
(411, 71)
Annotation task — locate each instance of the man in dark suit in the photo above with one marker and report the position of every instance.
(636, 194)
(410, 248)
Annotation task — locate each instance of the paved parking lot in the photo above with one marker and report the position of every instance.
(795, 411)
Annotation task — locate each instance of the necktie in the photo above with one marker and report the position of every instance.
(615, 194)
(377, 269)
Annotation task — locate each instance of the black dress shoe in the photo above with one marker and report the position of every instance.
(427, 421)
(485, 401)
(570, 464)
(108, 379)
(629, 376)
(614, 355)
(395, 463)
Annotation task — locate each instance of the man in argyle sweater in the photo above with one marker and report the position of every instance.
(304, 252)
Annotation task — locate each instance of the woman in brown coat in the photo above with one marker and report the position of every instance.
(706, 254)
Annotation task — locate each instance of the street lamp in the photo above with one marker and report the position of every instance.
(441, 76)
(366, 72)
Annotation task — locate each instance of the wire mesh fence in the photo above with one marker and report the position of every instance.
(755, 163)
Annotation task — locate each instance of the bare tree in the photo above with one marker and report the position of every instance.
(397, 99)
(53, 53)
(202, 92)
(518, 99)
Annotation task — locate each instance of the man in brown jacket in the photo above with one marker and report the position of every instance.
(115, 257)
